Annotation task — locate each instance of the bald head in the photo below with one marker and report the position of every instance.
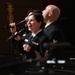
(51, 13)
(55, 10)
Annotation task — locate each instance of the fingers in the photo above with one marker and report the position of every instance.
(13, 27)
(26, 47)
(12, 24)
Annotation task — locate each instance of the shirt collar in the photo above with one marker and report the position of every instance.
(34, 34)
(48, 24)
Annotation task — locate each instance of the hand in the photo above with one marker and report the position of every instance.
(18, 37)
(26, 47)
(12, 30)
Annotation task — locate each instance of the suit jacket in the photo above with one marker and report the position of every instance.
(55, 34)
(36, 43)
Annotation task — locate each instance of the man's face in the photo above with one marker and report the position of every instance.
(45, 13)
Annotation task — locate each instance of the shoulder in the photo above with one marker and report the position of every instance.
(26, 35)
(42, 35)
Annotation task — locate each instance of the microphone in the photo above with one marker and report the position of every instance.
(21, 22)
(17, 24)
(16, 34)
(8, 27)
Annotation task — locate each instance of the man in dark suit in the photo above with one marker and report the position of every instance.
(52, 31)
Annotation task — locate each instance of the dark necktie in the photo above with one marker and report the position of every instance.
(30, 39)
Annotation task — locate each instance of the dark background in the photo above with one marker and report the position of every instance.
(8, 55)
(66, 19)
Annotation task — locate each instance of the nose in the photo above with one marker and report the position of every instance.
(42, 11)
(28, 23)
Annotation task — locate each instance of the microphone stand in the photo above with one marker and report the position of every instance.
(13, 44)
(17, 24)
(12, 36)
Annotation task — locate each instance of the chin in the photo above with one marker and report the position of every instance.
(29, 29)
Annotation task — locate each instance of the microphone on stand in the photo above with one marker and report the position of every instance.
(16, 34)
(8, 27)
(18, 24)
(21, 22)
